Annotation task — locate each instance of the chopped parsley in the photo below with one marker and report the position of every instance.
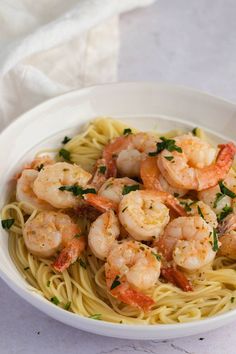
(127, 131)
(128, 189)
(7, 223)
(232, 299)
(48, 283)
(66, 140)
(39, 168)
(194, 131)
(102, 169)
(169, 158)
(200, 212)
(26, 268)
(158, 257)
(225, 212)
(78, 235)
(115, 282)
(55, 300)
(224, 190)
(168, 144)
(77, 190)
(65, 154)
(123, 210)
(215, 246)
(187, 206)
(82, 263)
(219, 196)
(96, 316)
(176, 195)
(67, 305)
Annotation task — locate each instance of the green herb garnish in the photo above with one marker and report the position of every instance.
(187, 206)
(225, 212)
(200, 212)
(77, 190)
(26, 268)
(102, 169)
(67, 305)
(115, 283)
(48, 283)
(39, 168)
(7, 223)
(78, 235)
(123, 210)
(224, 190)
(232, 299)
(158, 257)
(169, 158)
(128, 189)
(127, 131)
(65, 140)
(96, 316)
(168, 144)
(215, 246)
(82, 263)
(219, 196)
(194, 131)
(176, 195)
(65, 154)
(55, 300)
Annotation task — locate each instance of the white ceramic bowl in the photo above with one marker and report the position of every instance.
(144, 105)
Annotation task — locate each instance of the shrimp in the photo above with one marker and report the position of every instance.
(102, 234)
(144, 214)
(37, 164)
(188, 241)
(215, 199)
(25, 193)
(132, 268)
(227, 231)
(51, 231)
(153, 179)
(52, 177)
(183, 170)
(202, 209)
(100, 203)
(113, 188)
(126, 152)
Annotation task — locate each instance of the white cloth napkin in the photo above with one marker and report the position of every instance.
(48, 47)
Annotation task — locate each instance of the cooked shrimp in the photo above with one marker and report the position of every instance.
(183, 170)
(227, 230)
(153, 179)
(37, 164)
(52, 177)
(188, 241)
(144, 214)
(100, 203)
(25, 193)
(215, 199)
(126, 152)
(102, 234)
(51, 231)
(113, 188)
(132, 268)
(202, 209)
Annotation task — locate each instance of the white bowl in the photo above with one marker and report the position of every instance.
(144, 105)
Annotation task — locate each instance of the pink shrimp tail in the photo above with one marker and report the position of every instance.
(69, 254)
(177, 278)
(211, 175)
(100, 203)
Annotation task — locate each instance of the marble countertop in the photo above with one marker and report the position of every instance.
(191, 43)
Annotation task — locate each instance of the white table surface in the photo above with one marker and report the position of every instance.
(185, 42)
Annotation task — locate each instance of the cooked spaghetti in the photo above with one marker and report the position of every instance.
(82, 287)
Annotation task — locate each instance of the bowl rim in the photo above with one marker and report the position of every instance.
(98, 326)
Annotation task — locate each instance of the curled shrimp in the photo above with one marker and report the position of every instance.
(126, 152)
(52, 177)
(113, 188)
(227, 230)
(25, 193)
(183, 171)
(102, 234)
(153, 179)
(188, 241)
(215, 199)
(51, 231)
(132, 268)
(144, 214)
